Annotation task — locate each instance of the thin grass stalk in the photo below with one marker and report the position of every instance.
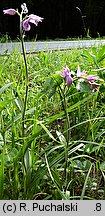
(2, 173)
(13, 133)
(104, 183)
(33, 156)
(16, 180)
(83, 22)
(2, 160)
(85, 183)
(52, 178)
(15, 164)
(67, 143)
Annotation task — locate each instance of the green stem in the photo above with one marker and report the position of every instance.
(67, 140)
(26, 75)
(64, 105)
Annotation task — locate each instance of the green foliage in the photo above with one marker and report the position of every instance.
(51, 84)
(96, 55)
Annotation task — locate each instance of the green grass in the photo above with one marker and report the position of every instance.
(6, 38)
(35, 168)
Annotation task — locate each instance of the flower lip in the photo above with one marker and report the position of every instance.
(94, 86)
(31, 19)
(67, 75)
(26, 25)
(9, 11)
(91, 78)
(69, 80)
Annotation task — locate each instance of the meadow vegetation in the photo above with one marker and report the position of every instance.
(52, 121)
(56, 158)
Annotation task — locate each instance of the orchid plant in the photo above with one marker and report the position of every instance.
(71, 78)
(24, 26)
(62, 81)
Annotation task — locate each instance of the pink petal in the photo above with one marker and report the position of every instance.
(35, 19)
(9, 11)
(61, 74)
(26, 25)
(66, 71)
(91, 78)
(79, 73)
(69, 80)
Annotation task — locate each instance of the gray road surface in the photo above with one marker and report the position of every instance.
(7, 48)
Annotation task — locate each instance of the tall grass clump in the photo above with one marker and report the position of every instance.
(52, 123)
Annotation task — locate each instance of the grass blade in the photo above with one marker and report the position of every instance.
(85, 183)
(5, 87)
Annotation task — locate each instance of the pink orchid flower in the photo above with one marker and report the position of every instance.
(79, 73)
(67, 75)
(31, 19)
(9, 11)
(90, 78)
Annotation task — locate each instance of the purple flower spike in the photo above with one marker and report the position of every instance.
(67, 75)
(31, 19)
(9, 11)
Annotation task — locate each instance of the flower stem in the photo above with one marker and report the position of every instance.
(26, 77)
(64, 105)
(67, 141)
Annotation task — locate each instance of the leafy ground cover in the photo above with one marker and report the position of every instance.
(57, 158)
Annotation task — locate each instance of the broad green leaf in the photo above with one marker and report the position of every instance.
(88, 55)
(51, 84)
(101, 54)
(84, 87)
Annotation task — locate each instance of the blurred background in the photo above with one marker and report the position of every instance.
(62, 18)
